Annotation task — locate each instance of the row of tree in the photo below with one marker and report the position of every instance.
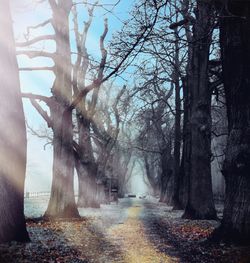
(85, 121)
(183, 68)
(193, 68)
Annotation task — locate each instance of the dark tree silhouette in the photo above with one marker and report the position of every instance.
(200, 204)
(235, 50)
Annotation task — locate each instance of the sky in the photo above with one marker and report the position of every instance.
(24, 14)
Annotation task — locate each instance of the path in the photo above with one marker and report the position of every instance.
(132, 231)
(133, 234)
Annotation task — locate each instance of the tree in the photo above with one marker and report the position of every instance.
(167, 51)
(13, 140)
(124, 160)
(200, 204)
(62, 199)
(155, 143)
(106, 127)
(62, 103)
(86, 165)
(151, 169)
(177, 126)
(91, 170)
(235, 52)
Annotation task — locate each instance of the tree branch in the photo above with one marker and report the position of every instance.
(98, 82)
(36, 68)
(47, 100)
(103, 51)
(35, 40)
(37, 26)
(42, 112)
(101, 69)
(145, 150)
(34, 54)
(117, 116)
(81, 94)
(40, 135)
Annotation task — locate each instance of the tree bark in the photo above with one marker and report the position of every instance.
(121, 170)
(235, 51)
(184, 171)
(102, 161)
(87, 170)
(13, 142)
(200, 203)
(177, 129)
(62, 200)
(151, 172)
(167, 163)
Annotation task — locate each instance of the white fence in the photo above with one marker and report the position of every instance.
(36, 194)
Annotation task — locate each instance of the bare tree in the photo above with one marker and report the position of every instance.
(62, 200)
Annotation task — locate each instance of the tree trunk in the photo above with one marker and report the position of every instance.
(87, 168)
(177, 128)
(119, 164)
(150, 172)
(200, 203)
(109, 139)
(62, 200)
(184, 171)
(235, 50)
(101, 170)
(177, 147)
(13, 142)
(167, 163)
(83, 184)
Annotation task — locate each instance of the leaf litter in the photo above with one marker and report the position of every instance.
(134, 231)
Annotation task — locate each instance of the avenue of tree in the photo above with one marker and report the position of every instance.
(184, 66)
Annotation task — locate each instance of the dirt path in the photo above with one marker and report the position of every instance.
(132, 231)
(134, 242)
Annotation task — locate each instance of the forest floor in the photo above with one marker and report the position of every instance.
(132, 231)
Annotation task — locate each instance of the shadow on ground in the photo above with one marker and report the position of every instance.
(75, 241)
(188, 239)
